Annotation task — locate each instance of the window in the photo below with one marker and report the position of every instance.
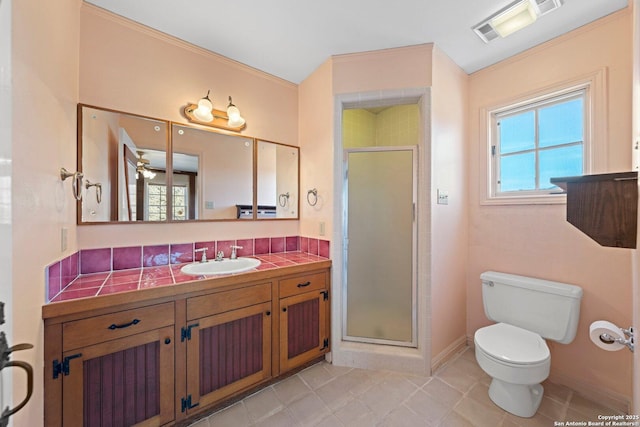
(536, 140)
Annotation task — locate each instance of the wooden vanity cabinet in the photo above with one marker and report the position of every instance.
(118, 368)
(160, 357)
(304, 319)
(228, 344)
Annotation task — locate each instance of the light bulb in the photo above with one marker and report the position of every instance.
(203, 112)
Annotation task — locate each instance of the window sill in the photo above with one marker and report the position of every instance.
(547, 199)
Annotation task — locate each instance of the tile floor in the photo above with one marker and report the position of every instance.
(330, 396)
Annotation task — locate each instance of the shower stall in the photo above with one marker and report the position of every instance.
(381, 290)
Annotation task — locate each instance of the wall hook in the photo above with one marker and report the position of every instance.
(312, 195)
(76, 183)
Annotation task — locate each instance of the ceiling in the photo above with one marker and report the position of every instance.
(291, 38)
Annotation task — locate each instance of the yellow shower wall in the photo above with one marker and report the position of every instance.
(393, 126)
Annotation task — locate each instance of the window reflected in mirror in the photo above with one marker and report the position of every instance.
(125, 153)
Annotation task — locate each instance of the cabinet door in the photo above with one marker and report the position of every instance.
(227, 353)
(124, 382)
(303, 328)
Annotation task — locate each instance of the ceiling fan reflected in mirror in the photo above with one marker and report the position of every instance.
(141, 167)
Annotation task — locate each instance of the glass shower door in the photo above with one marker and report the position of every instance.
(380, 245)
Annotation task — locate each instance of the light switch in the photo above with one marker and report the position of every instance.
(443, 197)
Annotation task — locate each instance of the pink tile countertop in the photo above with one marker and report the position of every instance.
(112, 282)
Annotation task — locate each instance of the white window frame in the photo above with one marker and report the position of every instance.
(594, 148)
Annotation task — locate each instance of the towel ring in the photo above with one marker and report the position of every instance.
(283, 199)
(98, 186)
(314, 193)
(76, 183)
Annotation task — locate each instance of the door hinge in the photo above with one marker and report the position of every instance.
(62, 368)
(185, 333)
(186, 403)
(325, 295)
(493, 150)
(325, 343)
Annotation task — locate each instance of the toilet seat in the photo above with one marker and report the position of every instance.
(508, 344)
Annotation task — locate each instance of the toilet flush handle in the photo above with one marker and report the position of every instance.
(488, 283)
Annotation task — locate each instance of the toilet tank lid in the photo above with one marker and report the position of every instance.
(540, 285)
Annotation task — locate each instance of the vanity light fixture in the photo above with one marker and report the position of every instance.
(203, 113)
(514, 17)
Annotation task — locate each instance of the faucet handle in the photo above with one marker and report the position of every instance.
(234, 254)
(204, 254)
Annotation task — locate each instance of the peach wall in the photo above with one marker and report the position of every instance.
(129, 67)
(316, 151)
(45, 68)
(635, 409)
(536, 240)
(448, 222)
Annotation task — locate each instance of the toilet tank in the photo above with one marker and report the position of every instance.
(551, 309)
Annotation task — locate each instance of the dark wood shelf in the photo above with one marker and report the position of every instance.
(604, 206)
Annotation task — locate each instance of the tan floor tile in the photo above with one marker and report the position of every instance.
(455, 378)
(427, 407)
(336, 393)
(291, 389)
(588, 408)
(262, 404)
(402, 417)
(552, 408)
(233, 416)
(202, 423)
(469, 367)
(308, 410)
(538, 420)
(478, 414)
(330, 421)
(352, 412)
(381, 400)
(556, 392)
(316, 375)
(480, 393)
(279, 419)
(453, 419)
(442, 392)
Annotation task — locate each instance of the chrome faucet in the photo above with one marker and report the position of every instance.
(204, 254)
(219, 256)
(234, 255)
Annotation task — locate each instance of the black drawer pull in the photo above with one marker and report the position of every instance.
(167, 340)
(304, 285)
(124, 325)
(268, 313)
(284, 309)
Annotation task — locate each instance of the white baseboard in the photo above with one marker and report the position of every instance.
(445, 355)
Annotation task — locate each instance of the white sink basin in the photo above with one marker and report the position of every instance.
(226, 266)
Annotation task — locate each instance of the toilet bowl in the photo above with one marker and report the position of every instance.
(518, 361)
(513, 351)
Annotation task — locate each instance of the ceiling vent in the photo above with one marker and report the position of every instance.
(515, 16)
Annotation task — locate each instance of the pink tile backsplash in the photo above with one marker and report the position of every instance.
(95, 260)
(155, 255)
(125, 258)
(92, 272)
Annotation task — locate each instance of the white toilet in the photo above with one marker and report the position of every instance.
(513, 352)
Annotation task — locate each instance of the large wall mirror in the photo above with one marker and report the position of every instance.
(206, 176)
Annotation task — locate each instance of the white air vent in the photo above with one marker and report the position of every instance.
(486, 32)
(546, 6)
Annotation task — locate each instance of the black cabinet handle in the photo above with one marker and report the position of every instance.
(124, 325)
(284, 309)
(304, 285)
(268, 313)
(167, 340)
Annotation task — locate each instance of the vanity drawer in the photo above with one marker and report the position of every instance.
(93, 330)
(208, 305)
(301, 284)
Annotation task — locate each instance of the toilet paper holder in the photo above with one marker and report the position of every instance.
(629, 341)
